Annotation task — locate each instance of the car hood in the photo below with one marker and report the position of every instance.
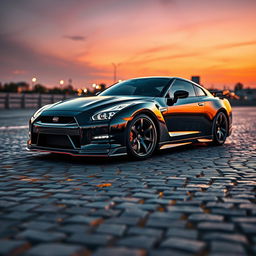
(94, 103)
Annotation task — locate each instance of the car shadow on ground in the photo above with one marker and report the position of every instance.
(96, 161)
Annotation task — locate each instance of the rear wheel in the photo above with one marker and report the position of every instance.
(141, 137)
(220, 129)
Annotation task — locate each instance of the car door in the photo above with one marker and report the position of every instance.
(184, 117)
(206, 120)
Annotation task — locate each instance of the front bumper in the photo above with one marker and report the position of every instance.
(73, 139)
(120, 151)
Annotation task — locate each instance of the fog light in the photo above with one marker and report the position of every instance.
(100, 137)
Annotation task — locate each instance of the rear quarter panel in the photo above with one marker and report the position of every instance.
(213, 105)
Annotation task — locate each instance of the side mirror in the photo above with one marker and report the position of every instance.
(180, 94)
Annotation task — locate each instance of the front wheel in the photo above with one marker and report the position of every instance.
(220, 129)
(141, 137)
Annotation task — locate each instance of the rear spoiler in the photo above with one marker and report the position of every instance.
(220, 93)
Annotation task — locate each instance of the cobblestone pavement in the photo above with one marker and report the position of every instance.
(195, 200)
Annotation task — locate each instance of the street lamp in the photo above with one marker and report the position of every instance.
(33, 82)
(61, 83)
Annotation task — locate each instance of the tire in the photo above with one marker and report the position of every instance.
(220, 129)
(141, 137)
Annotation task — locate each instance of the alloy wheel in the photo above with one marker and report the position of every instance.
(142, 136)
(221, 128)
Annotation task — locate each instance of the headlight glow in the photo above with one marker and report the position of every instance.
(107, 114)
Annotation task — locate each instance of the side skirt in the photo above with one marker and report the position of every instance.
(181, 142)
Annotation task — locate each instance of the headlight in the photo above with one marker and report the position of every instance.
(107, 114)
(38, 112)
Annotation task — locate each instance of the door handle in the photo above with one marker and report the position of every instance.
(200, 104)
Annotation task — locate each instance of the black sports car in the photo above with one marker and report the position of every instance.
(133, 117)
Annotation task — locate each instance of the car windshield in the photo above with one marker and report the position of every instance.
(151, 87)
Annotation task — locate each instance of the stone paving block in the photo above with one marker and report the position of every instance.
(100, 204)
(90, 240)
(106, 213)
(141, 242)
(73, 228)
(229, 212)
(119, 251)
(24, 207)
(111, 229)
(185, 209)
(205, 217)
(10, 247)
(83, 219)
(131, 221)
(184, 233)
(38, 225)
(165, 223)
(41, 236)
(168, 252)
(237, 238)
(144, 231)
(56, 249)
(216, 226)
(247, 219)
(193, 246)
(248, 228)
(228, 247)
(135, 212)
(18, 216)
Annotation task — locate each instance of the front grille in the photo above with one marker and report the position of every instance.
(56, 132)
(54, 141)
(60, 119)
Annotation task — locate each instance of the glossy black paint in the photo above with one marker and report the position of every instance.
(178, 120)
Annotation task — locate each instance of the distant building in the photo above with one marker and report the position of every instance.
(195, 79)
(246, 94)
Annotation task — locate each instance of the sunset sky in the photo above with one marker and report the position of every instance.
(80, 39)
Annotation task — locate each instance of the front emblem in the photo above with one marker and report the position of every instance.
(55, 119)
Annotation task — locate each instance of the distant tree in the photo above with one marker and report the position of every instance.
(10, 87)
(55, 90)
(238, 86)
(39, 88)
(69, 89)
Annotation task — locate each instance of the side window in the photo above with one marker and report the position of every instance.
(199, 91)
(182, 85)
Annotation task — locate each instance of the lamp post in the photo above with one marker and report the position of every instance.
(115, 66)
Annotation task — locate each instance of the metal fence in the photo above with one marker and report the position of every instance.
(17, 100)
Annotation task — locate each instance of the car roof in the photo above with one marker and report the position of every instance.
(168, 77)
(175, 77)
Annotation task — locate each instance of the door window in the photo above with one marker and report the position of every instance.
(182, 85)
(199, 91)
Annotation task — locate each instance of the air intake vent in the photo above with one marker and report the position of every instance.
(57, 119)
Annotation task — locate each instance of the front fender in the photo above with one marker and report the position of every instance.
(118, 124)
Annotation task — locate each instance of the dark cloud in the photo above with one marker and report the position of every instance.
(16, 55)
(75, 38)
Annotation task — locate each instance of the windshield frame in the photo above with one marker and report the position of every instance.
(163, 92)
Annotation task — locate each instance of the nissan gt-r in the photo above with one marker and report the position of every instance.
(134, 117)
